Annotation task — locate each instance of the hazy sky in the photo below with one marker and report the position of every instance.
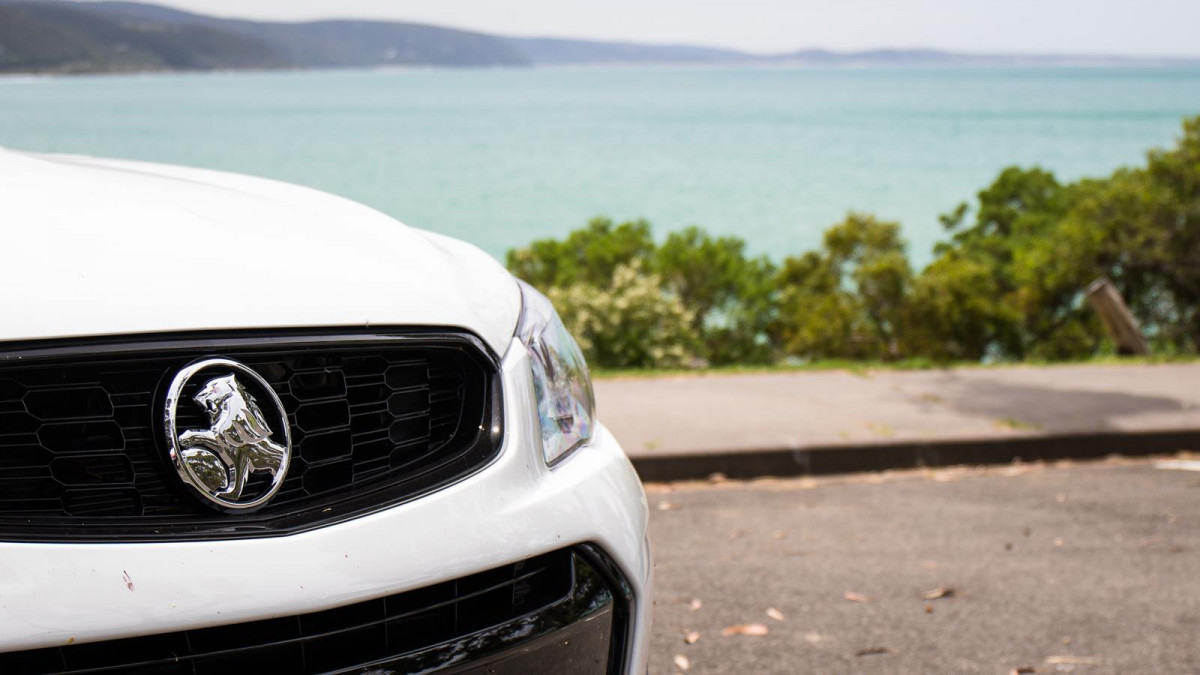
(1141, 27)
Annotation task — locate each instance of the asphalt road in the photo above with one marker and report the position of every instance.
(1090, 568)
(726, 413)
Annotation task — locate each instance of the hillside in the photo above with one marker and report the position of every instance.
(333, 44)
(37, 37)
(556, 51)
(53, 36)
(59, 36)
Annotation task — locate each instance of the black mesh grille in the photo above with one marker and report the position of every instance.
(373, 420)
(418, 630)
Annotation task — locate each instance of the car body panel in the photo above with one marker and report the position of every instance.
(106, 248)
(103, 247)
(57, 594)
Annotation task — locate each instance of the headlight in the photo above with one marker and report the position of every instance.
(566, 404)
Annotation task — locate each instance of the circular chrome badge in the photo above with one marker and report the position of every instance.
(230, 435)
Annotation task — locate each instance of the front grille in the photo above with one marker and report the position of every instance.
(471, 619)
(375, 419)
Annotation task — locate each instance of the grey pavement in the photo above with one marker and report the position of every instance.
(663, 416)
(1085, 568)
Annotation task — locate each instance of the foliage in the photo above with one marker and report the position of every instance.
(969, 303)
(846, 301)
(629, 323)
(1036, 244)
(1007, 285)
(1142, 229)
(587, 256)
(952, 312)
(729, 295)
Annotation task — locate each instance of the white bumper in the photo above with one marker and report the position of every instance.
(54, 594)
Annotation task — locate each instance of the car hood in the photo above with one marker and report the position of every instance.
(104, 247)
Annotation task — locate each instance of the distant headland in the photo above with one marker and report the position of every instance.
(56, 36)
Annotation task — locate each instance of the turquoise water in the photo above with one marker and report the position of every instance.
(500, 157)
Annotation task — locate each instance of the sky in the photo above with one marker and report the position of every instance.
(1108, 27)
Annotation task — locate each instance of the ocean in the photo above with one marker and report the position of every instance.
(500, 157)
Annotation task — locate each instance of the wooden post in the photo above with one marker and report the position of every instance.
(1117, 318)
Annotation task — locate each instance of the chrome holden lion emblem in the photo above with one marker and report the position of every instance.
(239, 441)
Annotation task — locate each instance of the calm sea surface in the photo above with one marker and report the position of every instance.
(500, 157)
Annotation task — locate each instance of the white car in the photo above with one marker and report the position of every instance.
(247, 426)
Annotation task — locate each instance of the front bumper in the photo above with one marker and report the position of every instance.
(60, 594)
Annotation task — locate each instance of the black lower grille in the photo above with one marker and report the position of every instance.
(480, 618)
(375, 419)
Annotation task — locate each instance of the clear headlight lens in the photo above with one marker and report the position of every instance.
(566, 404)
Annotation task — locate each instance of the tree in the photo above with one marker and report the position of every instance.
(846, 301)
(590, 255)
(952, 312)
(730, 295)
(1141, 227)
(970, 302)
(1017, 274)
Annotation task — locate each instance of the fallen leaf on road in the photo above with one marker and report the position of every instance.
(779, 535)
(857, 597)
(929, 608)
(691, 638)
(666, 506)
(1073, 661)
(681, 662)
(871, 651)
(695, 604)
(940, 592)
(751, 629)
(775, 614)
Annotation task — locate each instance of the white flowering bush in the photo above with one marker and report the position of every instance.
(630, 323)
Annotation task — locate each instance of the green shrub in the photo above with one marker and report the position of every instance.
(589, 256)
(629, 323)
(730, 297)
(847, 300)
